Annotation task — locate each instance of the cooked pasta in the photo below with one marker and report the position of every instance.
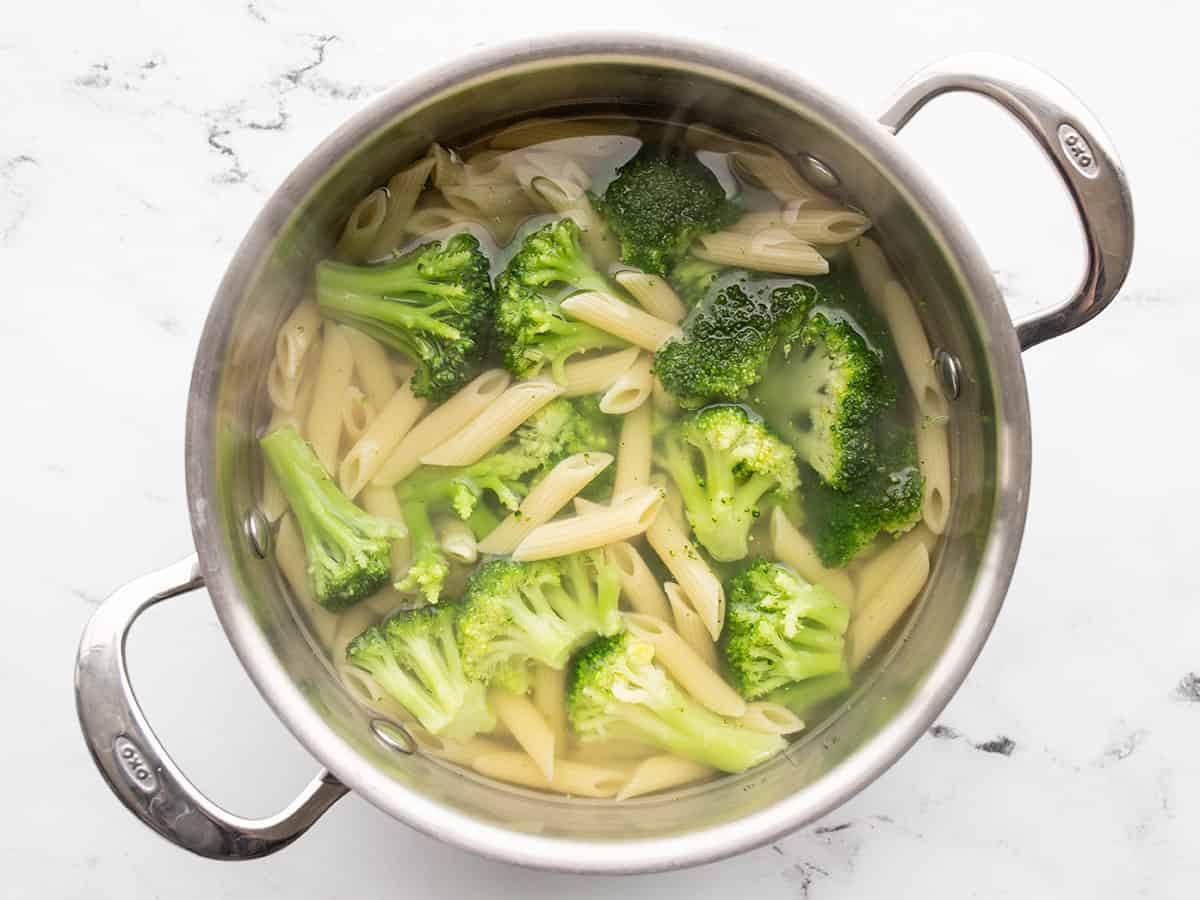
(550, 495)
(530, 575)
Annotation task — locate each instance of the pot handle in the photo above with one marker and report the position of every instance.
(1080, 151)
(134, 763)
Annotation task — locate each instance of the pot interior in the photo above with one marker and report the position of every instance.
(989, 434)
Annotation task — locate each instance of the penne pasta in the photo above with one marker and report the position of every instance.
(572, 201)
(463, 753)
(893, 302)
(631, 390)
(619, 522)
(658, 773)
(633, 452)
(766, 166)
(456, 539)
(362, 227)
(543, 503)
(495, 423)
(933, 453)
(610, 751)
(606, 312)
(686, 666)
(382, 502)
(654, 294)
(770, 250)
(550, 698)
(357, 413)
(770, 718)
(541, 130)
(794, 549)
(364, 460)
(690, 626)
(527, 727)
(403, 190)
(300, 331)
(880, 610)
(877, 571)
(639, 586)
(323, 428)
(597, 373)
(373, 367)
(680, 556)
(441, 424)
(570, 777)
(815, 226)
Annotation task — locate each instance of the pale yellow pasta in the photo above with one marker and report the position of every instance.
(441, 424)
(624, 519)
(631, 390)
(596, 236)
(542, 130)
(280, 388)
(686, 666)
(357, 412)
(816, 226)
(486, 199)
(362, 227)
(324, 425)
(672, 499)
(364, 460)
(766, 166)
(880, 610)
(495, 423)
(796, 550)
(893, 302)
(456, 539)
(382, 502)
(875, 573)
(300, 331)
(685, 563)
(594, 374)
(527, 726)
(769, 250)
(770, 718)
(550, 698)
(633, 452)
(606, 312)
(933, 453)
(689, 625)
(547, 498)
(654, 294)
(435, 218)
(609, 751)
(292, 560)
(403, 189)
(658, 773)
(639, 586)
(463, 753)
(373, 367)
(570, 777)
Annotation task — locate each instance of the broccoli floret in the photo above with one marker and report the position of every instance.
(461, 488)
(823, 396)
(886, 498)
(434, 305)
(657, 205)
(693, 277)
(348, 551)
(536, 611)
(616, 690)
(428, 566)
(531, 328)
(563, 428)
(780, 629)
(728, 340)
(723, 460)
(414, 657)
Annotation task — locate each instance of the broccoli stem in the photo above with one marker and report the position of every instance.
(806, 695)
(404, 314)
(410, 693)
(391, 279)
(482, 521)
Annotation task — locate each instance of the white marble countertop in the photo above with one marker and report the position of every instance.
(137, 140)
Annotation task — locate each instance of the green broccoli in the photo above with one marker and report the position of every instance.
(886, 498)
(428, 566)
(657, 205)
(727, 341)
(434, 305)
(536, 611)
(615, 689)
(779, 629)
(693, 277)
(565, 427)
(348, 550)
(802, 697)
(532, 330)
(414, 657)
(822, 396)
(723, 459)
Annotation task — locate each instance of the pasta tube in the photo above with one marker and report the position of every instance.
(883, 608)
(384, 434)
(597, 373)
(570, 777)
(690, 626)
(527, 726)
(631, 390)
(618, 318)
(638, 584)
(494, 424)
(658, 773)
(770, 250)
(794, 549)
(684, 561)
(685, 665)
(654, 294)
(633, 452)
(619, 522)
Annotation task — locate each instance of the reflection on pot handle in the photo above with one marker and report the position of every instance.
(1082, 155)
(134, 763)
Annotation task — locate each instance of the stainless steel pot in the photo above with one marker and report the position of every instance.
(964, 314)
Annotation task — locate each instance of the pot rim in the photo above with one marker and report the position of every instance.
(997, 560)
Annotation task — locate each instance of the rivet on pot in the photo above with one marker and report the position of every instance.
(393, 736)
(949, 372)
(819, 174)
(258, 533)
